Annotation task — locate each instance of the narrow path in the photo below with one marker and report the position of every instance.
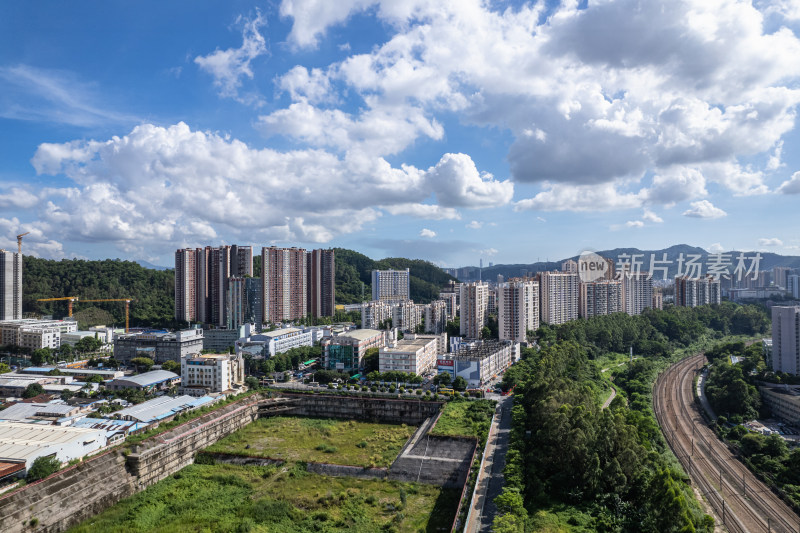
(610, 396)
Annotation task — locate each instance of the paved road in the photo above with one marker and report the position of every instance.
(490, 479)
(610, 397)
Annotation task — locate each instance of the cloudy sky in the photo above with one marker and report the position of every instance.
(449, 130)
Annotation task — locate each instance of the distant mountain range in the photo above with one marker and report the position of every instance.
(768, 261)
(149, 265)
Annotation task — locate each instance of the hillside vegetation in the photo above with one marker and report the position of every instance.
(152, 290)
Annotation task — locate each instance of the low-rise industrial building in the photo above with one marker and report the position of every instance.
(159, 346)
(478, 362)
(414, 354)
(783, 401)
(162, 408)
(23, 442)
(209, 373)
(346, 351)
(149, 381)
(35, 334)
(38, 412)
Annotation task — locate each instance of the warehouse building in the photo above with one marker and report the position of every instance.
(22, 443)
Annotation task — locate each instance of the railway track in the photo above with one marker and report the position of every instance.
(740, 500)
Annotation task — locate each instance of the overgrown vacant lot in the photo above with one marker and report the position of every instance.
(465, 418)
(285, 499)
(322, 440)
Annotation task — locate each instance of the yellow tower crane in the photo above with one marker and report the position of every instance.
(19, 241)
(70, 298)
(127, 307)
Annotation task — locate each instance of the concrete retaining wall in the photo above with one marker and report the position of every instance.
(412, 412)
(84, 490)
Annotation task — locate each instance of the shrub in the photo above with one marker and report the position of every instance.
(43, 467)
(418, 392)
(362, 444)
(374, 388)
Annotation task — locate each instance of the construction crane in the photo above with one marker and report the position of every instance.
(127, 307)
(19, 242)
(70, 298)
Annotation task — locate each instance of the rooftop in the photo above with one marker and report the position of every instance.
(148, 378)
(406, 345)
(23, 441)
(162, 407)
(29, 411)
(361, 334)
(279, 332)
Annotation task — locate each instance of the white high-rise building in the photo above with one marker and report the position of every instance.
(390, 285)
(406, 315)
(559, 296)
(473, 310)
(793, 285)
(375, 313)
(518, 309)
(786, 339)
(436, 317)
(637, 292)
(601, 297)
(10, 285)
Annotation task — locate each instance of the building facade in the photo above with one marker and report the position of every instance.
(518, 309)
(10, 285)
(637, 292)
(786, 339)
(159, 346)
(407, 316)
(321, 267)
(201, 281)
(211, 373)
(284, 282)
(473, 309)
(391, 285)
(600, 297)
(559, 297)
(691, 292)
(416, 354)
(374, 314)
(436, 317)
(345, 352)
(35, 334)
(478, 363)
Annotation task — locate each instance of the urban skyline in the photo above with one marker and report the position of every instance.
(372, 127)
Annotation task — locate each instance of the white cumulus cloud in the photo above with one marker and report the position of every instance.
(428, 233)
(792, 185)
(704, 209)
(770, 242)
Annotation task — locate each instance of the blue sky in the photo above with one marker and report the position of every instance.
(444, 130)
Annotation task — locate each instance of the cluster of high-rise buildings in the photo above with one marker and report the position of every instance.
(216, 286)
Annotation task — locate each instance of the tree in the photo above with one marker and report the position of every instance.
(453, 328)
(88, 344)
(443, 379)
(41, 356)
(142, 364)
(370, 360)
(95, 379)
(43, 467)
(34, 389)
(459, 383)
(66, 394)
(4, 368)
(486, 333)
(251, 382)
(171, 366)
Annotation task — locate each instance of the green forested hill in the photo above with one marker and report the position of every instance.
(353, 268)
(153, 290)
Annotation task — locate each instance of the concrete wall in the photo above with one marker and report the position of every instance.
(412, 412)
(84, 490)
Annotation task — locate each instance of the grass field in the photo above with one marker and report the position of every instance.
(287, 499)
(468, 418)
(318, 440)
